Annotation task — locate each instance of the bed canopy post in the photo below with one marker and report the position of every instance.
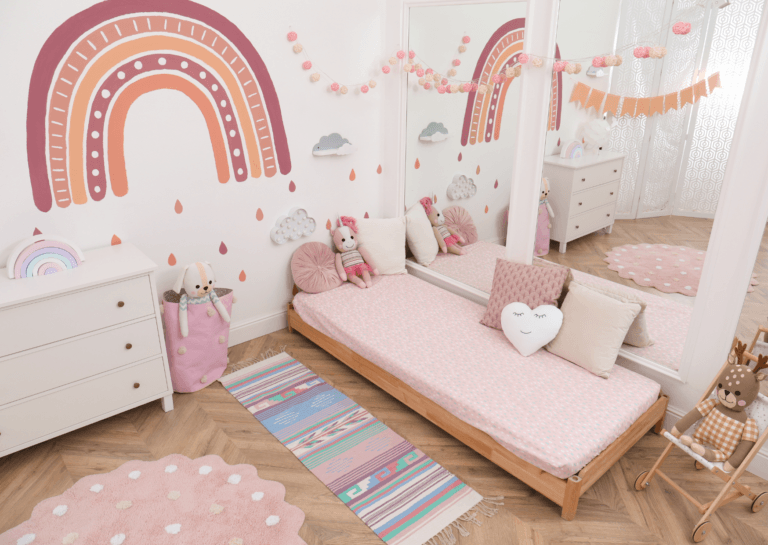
(528, 152)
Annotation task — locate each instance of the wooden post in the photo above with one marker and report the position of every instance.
(571, 498)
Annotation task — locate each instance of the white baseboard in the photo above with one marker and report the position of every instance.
(243, 332)
(759, 465)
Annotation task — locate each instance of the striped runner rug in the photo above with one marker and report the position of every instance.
(403, 495)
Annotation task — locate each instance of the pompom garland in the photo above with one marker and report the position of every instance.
(297, 48)
(292, 36)
(408, 67)
(465, 39)
(444, 81)
(681, 27)
(427, 85)
(364, 89)
(454, 88)
(456, 62)
(392, 61)
(334, 86)
(598, 62)
(385, 69)
(523, 58)
(429, 71)
(401, 54)
(641, 52)
(467, 87)
(420, 72)
(441, 89)
(422, 81)
(343, 90)
(559, 66)
(657, 52)
(569, 68)
(482, 89)
(315, 77)
(496, 78)
(577, 68)
(510, 71)
(372, 83)
(306, 65)
(462, 48)
(537, 62)
(452, 72)
(517, 71)
(411, 54)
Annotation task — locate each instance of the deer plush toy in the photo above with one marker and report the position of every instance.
(447, 238)
(726, 427)
(353, 262)
(198, 282)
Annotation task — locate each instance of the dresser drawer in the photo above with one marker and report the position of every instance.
(584, 178)
(30, 373)
(27, 421)
(594, 198)
(583, 224)
(49, 320)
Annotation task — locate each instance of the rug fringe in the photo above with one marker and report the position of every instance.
(446, 536)
(268, 353)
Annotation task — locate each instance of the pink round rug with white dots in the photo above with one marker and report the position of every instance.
(671, 269)
(171, 501)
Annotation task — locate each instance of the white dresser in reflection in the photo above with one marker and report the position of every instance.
(583, 194)
(79, 346)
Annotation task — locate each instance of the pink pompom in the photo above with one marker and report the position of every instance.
(475, 87)
(559, 66)
(496, 78)
(292, 36)
(642, 52)
(334, 86)
(467, 87)
(411, 54)
(385, 69)
(364, 89)
(420, 72)
(429, 71)
(681, 28)
(306, 65)
(598, 62)
(444, 81)
(427, 85)
(401, 54)
(523, 58)
(456, 62)
(465, 39)
(441, 89)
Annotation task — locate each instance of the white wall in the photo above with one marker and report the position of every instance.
(435, 35)
(168, 155)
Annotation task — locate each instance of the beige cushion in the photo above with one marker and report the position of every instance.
(638, 332)
(594, 327)
(420, 236)
(385, 241)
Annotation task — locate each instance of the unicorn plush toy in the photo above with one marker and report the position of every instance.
(198, 281)
(353, 262)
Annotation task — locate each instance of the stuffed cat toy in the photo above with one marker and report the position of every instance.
(198, 281)
(353, 262)
(447, 238)
(726, 427)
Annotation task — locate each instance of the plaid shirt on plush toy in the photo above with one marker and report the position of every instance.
(723, 432)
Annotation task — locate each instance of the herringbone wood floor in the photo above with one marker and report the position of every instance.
(586, 254)
(213, 422)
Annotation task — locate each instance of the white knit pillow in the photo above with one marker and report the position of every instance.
(420, 236)
(385, 241)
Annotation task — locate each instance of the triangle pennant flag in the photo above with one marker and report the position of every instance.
(670, 102)
(628, 108)
(686, 96)
(643, 105)
(699, 90)
(611, 104)
(580, 92)
(714, 82)
(657, 105)
(595, 100)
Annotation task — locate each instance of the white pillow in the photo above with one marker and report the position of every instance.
(420, 236)
(594, 326)
(385, 241)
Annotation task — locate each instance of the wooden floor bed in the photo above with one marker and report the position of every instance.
(564, 492)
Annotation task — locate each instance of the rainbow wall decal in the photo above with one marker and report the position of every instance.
(482, 119)
(95, 65)
(41, 255)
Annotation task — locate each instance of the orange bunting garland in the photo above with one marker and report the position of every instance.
(580, 93)
(643, 106)
(628, 108)
(611, 104)
(595, 100)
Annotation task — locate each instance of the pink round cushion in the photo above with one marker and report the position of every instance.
(458, 219)
(314, 268)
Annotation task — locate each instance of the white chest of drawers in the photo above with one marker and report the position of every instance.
(79, 346)
(583, 194)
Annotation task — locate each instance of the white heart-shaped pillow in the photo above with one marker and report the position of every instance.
(528, 330)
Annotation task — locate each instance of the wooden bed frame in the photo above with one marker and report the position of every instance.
(564, 492)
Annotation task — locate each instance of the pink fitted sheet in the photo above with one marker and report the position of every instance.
(542, 408)
(667, 319)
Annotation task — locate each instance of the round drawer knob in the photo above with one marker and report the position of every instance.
(615, 170)
(577, 227)
(120, 304)
(611, 192)
(136, 384)
(128, 346)
(608, 215)
(579, 204)
(583, 179)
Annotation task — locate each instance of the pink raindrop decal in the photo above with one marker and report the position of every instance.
(378, 170)
(259, 215)
(496, 185)
(352, 175)
(177, 207)
(116, 240)
(171, 260)
(292, 187)
(460, 157)
(37, 232)
(242, 276)
(223, 248)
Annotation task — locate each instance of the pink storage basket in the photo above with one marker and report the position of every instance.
(199, 359)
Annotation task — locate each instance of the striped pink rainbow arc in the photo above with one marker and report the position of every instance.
(40, 255)
(483, 116)
(97, 63)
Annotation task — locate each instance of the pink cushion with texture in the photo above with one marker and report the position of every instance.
(458, 218)
(314, 268)
(518, 283)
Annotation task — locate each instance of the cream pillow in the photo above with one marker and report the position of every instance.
(385, 241)
(421, 238)
(638, 332)
(594, 326)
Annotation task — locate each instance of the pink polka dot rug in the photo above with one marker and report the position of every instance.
(170, 501)
(670, 269)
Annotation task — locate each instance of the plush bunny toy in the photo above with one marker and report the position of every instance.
(447, 238)
(543, 223)
(353, 261)
(198, 281)
(726, 426)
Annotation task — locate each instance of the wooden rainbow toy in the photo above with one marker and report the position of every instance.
(573, 150)
(42, 254)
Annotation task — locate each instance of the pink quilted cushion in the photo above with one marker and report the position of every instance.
(314, 268)
(459, 219)
(518, 283)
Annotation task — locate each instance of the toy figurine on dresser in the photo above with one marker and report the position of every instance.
(197, 317)
(544, 223)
